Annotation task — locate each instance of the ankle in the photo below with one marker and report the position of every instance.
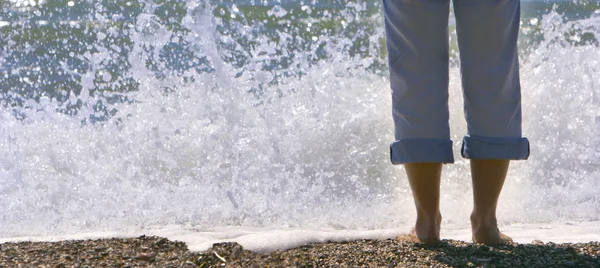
(483, 221)
(428, 225)
(429, 219)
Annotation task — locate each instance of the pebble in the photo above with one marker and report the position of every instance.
(145, 256)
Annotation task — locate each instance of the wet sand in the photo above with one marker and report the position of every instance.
(160, 252)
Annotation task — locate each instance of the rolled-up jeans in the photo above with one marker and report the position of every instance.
(418, 51)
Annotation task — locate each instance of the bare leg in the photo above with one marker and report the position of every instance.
(488, 177)
(424, 179)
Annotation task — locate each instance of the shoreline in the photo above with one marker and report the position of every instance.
(154, 251)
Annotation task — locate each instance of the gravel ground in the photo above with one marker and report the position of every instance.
(159, 252)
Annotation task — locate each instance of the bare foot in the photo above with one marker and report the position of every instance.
(410, 237)
(413, 238)
(487, 232)
(491, 237)
(423, 232)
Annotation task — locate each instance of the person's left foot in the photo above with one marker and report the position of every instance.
(491, 237)
(424, 232)
(485, 231)
(414, 238)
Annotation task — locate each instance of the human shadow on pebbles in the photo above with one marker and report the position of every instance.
(147, 251)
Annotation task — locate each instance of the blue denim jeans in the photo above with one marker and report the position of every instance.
(417, 42)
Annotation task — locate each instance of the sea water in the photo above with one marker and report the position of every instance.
(267, 123)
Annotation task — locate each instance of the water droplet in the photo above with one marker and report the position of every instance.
(106, 77)
(533, 21)
(277, 11)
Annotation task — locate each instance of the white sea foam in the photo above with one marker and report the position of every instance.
(264, 240)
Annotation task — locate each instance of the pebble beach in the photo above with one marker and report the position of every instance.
(145, 251)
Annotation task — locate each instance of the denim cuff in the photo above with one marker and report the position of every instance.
(477, 147)
(421, 150)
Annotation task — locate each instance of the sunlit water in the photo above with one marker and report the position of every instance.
(255, 119)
